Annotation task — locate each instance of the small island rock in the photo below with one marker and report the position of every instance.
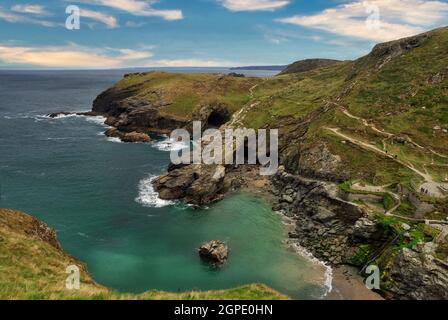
(215, 252)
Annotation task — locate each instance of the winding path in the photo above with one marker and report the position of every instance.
(239, 116)
(368, 124)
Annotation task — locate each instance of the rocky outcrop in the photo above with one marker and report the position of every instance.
(55, 115)
(340, 232)
(215, 252)
(130, 137)
(195, 184)
(128, 113)
(212, 115)
(145, 119)
(324, 222)
(365, 230)
(416, 274)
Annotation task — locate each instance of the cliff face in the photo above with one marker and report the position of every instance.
(157, 102)
(364, 144)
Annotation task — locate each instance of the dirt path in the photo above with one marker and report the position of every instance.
(375, 149)
(239, 116)
(430, 186)
(366, 123)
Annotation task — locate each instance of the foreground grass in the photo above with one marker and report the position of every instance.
(32, 267)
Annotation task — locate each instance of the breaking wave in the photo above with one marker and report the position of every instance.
(148, 197)
(169, 145)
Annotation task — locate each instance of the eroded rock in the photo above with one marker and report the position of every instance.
(135, 137)
(418, 276)
(215, 252)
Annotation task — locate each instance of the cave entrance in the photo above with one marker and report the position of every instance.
(217, 119)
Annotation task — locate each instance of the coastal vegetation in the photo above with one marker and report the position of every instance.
(364, 145)
(364, 154)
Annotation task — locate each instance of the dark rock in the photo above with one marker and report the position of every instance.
(113, 133)
(418, 276)
(196, 184)
(367, 230)
(236, 75)
(212, 115)
(135, 137)
(214, 252)
(59, 114)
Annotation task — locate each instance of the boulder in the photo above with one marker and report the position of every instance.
(198, 185)
(135, 137)
(58, 114)
(215, 252)
(366, 229)
(113, 133)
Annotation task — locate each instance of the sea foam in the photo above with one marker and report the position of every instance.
(169, 145)
(328, 270)
(148, 197)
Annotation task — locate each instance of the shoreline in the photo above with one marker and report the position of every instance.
(343, 282)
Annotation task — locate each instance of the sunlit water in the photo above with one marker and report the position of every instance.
(97, 194)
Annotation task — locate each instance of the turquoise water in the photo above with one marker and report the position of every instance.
(97, 194)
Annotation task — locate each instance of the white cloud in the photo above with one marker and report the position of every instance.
(138, 8)
(254, 5)
(30, 9)
(73, 56)
(16, 18)
(398, 19)
(110, 21)
(190, 63)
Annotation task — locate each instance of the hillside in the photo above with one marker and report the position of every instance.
(159, 102)
(364, 145)
(33, 265)
(308, 65)
(395, 100)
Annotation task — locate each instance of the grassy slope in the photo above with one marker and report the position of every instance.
(183, 94)
(31, 268)
(397, 98)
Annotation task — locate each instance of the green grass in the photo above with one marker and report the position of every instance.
(181, 94)
(388, 201)
(362, 255)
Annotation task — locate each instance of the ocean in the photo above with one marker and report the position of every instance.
(96, 192)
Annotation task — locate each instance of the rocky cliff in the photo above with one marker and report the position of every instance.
(364, 145)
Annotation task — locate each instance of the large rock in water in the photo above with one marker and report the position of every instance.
(135, 137)
(128, 137)
(215, 252)
(198, 185)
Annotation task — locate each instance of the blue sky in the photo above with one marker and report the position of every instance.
(139, 33)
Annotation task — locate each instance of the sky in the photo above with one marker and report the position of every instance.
(202, 33)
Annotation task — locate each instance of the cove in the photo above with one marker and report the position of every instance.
(68, 174)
